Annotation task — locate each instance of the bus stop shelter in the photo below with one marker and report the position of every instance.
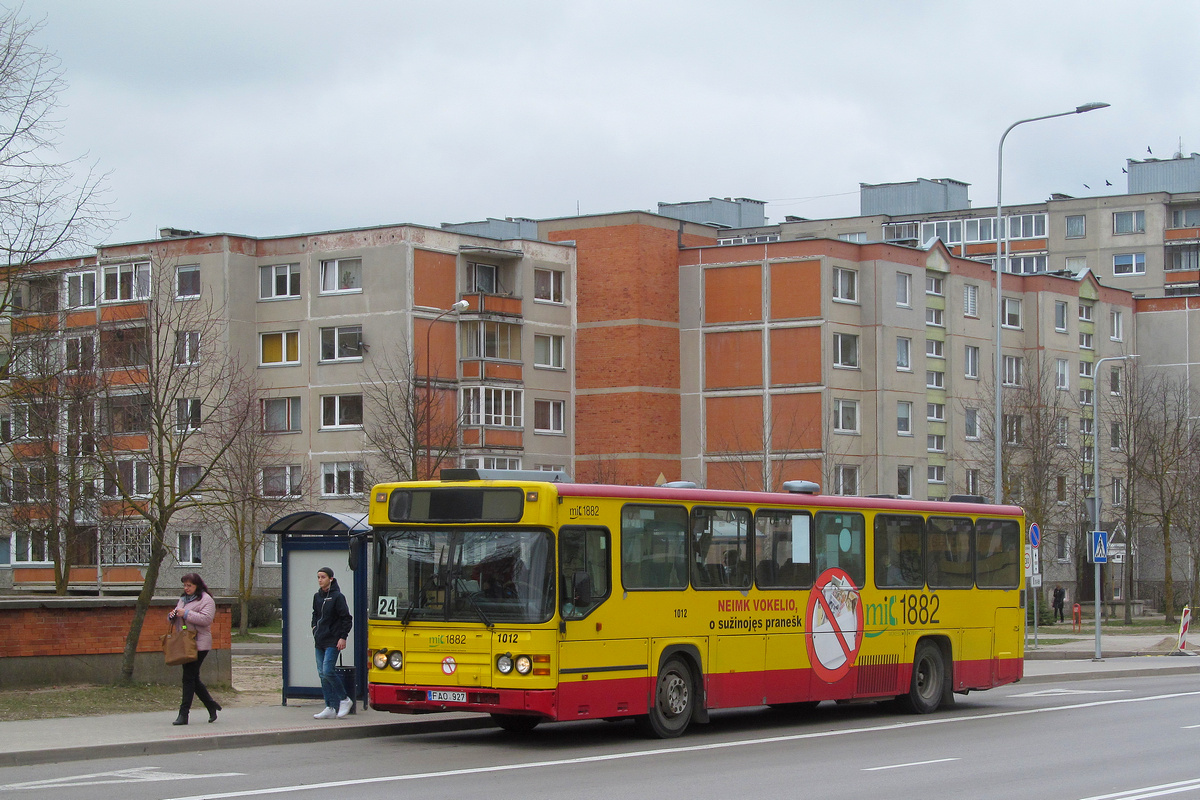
(310, 540)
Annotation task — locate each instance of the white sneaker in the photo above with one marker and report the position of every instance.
(344, 707)
(327, 713)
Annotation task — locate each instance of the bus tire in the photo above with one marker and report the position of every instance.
(516, 723)
(673, 703)
(928, 680)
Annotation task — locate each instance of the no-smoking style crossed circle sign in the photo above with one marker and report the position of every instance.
(835, 624)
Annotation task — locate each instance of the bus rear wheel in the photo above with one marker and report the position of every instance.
(673, 703)
(516, 723)
(928, 680)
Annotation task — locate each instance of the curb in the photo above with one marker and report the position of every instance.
(1136, 672)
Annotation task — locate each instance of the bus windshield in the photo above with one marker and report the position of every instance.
(465, 575)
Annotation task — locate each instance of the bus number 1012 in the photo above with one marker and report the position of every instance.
(920, 608)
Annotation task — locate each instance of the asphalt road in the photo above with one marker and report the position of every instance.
(1111, 739)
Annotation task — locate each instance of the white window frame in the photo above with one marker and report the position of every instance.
(271, 553)
(554, 282)
(1012, 313)
(283, 348)
(1114, 381)
(904, 470)
(1085, 396)
(189, 413)
(845, 350)
(336, 333)
(1085, 312)
(935, 473)
(971, 424)
(935, 412)
(492, 462)
(971, 300)
(491, 406)
(335, 407)
(187, 348)
(843, 407)
(87, 293)
(904, 289)
(1136, 264)
(935, 317)
(1081, 233)
(1013, 367)
(335, 470)
(138, 276)
(290, 474)
(292, 407)
(935, 379)
(933, 285)
(846, 481)
(553, 413)
(904, 418)
(1060, 315)
(268, 282)
(332, 275)
(845, 285)
(180, 271)
(1062, 374)
(1116, 326)
(971, 361)
(904, 353)
(1086, 369)
(1085, 340)
(553, 346)
(182, 484)
(1129, 222)
(935, 348)
(935, 442)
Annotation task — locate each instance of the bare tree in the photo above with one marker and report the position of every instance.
(169, 372)
(410, 426)
(751, 449)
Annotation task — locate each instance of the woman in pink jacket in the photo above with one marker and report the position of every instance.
(196, 610)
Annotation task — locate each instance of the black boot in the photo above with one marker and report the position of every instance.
(182, 718)
(212, 711)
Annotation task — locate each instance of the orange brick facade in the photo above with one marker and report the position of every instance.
(56, 631)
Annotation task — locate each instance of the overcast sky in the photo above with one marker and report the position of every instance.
(269, 118)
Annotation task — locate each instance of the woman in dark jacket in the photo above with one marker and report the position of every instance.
(196, 609)
(331, 623)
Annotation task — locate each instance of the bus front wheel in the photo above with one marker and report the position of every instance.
(673, 703)
(928, 680)
(516, 723)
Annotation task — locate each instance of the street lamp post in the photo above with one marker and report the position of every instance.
(1096, 480)
(427, 415)
(998, 485)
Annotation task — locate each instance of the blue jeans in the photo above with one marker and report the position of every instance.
(331, 684)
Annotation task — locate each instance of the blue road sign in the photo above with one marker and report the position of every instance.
(1035, 534)
(1099, 547)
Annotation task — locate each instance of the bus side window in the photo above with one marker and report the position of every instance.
(783, 547)
(998, 554)
(950, 551)
(585, 570)
(839, 543)
(654, 547)
(899, 551)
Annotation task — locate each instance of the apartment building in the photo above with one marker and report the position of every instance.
(314, 323)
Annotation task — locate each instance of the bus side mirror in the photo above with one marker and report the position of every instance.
(581, 589)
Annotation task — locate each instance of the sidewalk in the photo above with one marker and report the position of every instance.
(27, 742)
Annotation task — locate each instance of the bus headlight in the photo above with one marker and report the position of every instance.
(396, 659)
(504, 664)
(380, 659)
(524, 665)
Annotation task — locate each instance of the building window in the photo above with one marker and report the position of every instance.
(1060, 488)
(548, 285)
(971, 361)
(904, 481)
(187, 347)
(973, 483)
(845, 416)
(1013, 366)
(970, 300)
(1185, 217)
(1075, 264)
(187, 282)
(971, 419)
(1118, 492)
(127, 282)
(125, 414)
(1114, 380)
(1062, 374)
(1012, 312)
(1114, 433)
(188, 478)
(187, 414)
(1025, 265)
(1061, 430)
(281, 481)
(846, 480)
(279, 282)
(124, 347)
(1085, 340)
(281, 414)
(279, 348)
(341, 275)
(1129, 222)
(1129, 264)
(935, 412)
(31, 547)
(341, 411)
(934, 348)
(845, 285)
(341, 479)
(343, 343)
(1114, 320)
(1085, 426)
(935, 379)
(492, 462)
(486, 339)
(845, 350)
(933, 285)
(272, 550)
(548, 416)
(903, 353)
(904, 418)
(1086, 453)
(935, 443)
(935, 316)
(1076, 226)
(81, 290)
(81, 353)
(484, 405)
(1085, 312)
(29, 483)
(1186, 257)
(1026, 226)
(936, 473)
(903, 289)
(1085, 369)
(483, 278)
(1012, 428)
(1085, 397)
(1060, 316)
(131, 475)
(548, 351)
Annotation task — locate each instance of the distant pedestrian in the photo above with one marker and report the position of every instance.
(1060, 597)
(331, 623)
(196, 609)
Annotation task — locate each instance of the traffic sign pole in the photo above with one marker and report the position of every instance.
(1035, 582)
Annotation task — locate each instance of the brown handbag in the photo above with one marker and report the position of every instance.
(179, 646)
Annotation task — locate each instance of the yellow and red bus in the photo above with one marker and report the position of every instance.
(533, 599)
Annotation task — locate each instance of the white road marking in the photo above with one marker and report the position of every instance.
(909, 764)
(696, 748)
(1150, 791)
(1189, 727)
(135, 775)
(1060, 692)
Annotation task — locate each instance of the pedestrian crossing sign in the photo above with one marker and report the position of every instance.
(1098, 547)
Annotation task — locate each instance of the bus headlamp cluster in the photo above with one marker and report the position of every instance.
(383, 659)
(506, 663)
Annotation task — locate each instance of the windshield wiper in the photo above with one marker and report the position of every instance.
(474, 603)
(412, 606)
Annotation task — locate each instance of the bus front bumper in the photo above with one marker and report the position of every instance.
(409, 699)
